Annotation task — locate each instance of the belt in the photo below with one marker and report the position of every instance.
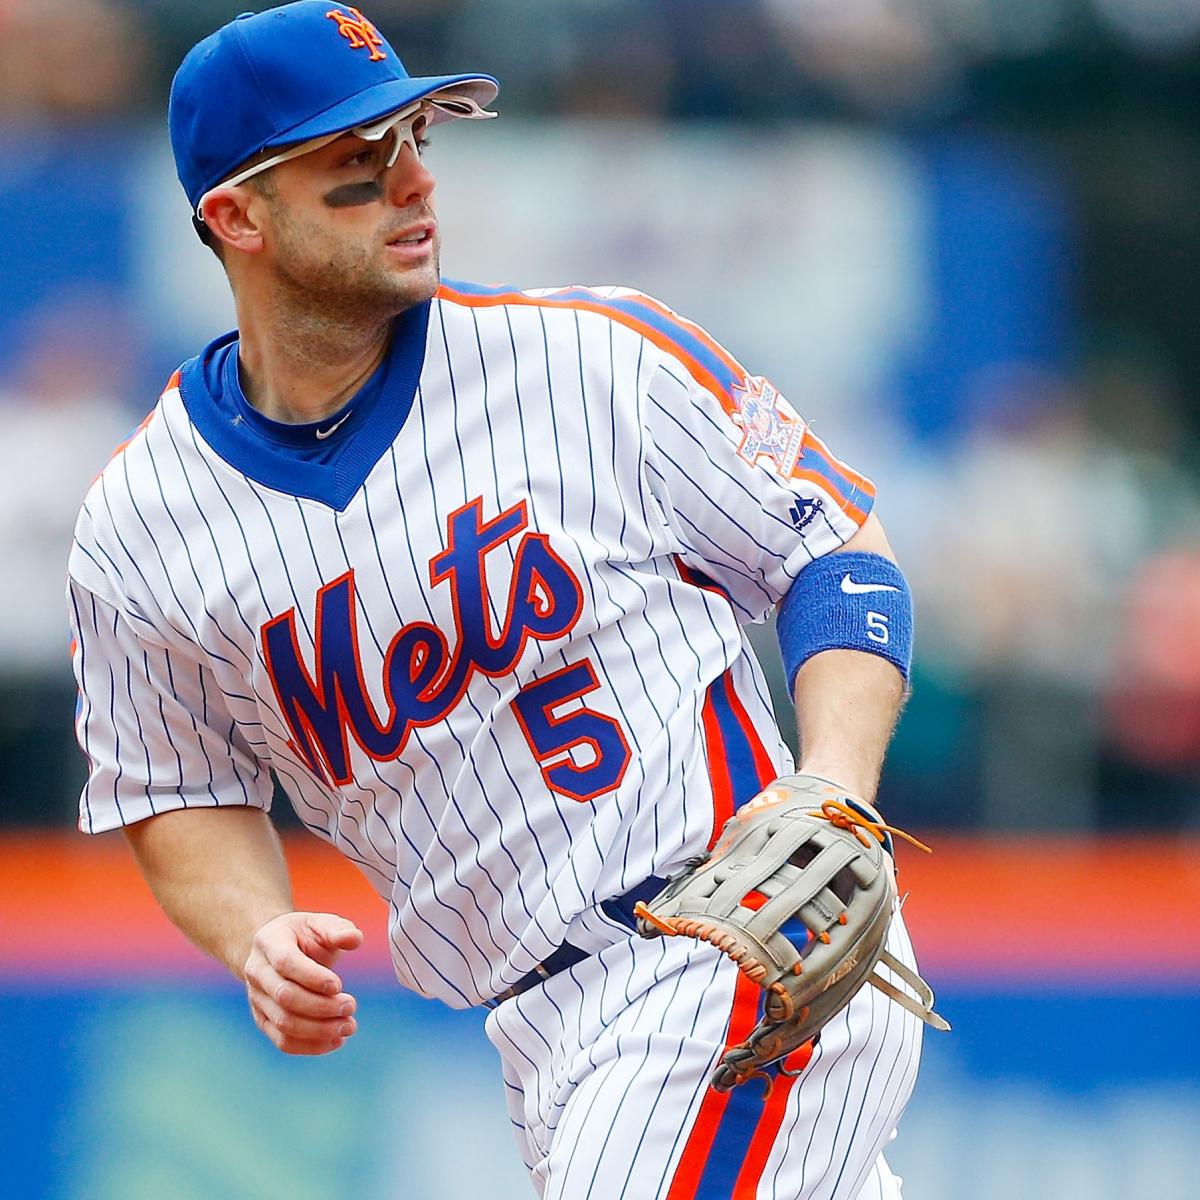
(620, 908)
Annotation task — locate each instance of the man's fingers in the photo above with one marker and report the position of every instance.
(296, 1028)
(329, 935)
(263, 980)
(310, 1048)
(291, 1045)
(292, 962)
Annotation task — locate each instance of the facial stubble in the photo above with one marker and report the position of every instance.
(344, 283)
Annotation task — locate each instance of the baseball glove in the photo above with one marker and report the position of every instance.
(799, 892)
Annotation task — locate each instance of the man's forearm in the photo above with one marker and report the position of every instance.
(846, 707)
(847, 701)
(218, 873)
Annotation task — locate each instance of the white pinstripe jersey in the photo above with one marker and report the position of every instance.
(493, 651)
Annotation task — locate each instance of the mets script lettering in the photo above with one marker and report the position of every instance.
(424, 677)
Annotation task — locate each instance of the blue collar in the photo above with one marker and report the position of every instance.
(274, 454)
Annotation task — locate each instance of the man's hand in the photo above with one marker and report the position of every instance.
(220, 875)
(295, 996)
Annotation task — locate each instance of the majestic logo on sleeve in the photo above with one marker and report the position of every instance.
(770, 426)
(424, 677)
(804, 511)
(361, 33)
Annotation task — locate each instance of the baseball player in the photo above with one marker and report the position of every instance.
(467, 568)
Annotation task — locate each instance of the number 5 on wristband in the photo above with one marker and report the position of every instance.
(853, 601)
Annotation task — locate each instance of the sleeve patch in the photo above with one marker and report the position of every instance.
(772, 431)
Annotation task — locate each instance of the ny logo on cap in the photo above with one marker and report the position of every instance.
(362, 34)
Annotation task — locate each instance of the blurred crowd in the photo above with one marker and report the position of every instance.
(1043, 492)
(889, 60)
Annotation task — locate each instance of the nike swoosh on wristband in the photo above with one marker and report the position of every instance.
(853, 589)
(322, 434)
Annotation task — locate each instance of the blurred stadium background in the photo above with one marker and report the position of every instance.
(964, 237)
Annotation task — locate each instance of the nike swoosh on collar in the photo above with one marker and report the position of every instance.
(322, 434)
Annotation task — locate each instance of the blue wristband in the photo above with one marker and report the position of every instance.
(851, 601)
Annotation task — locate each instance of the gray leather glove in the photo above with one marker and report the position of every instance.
(799, 892)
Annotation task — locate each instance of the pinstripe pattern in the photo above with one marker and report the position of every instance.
(599, 432)
(606, 1068)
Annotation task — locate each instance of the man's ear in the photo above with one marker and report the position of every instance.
(227, 213)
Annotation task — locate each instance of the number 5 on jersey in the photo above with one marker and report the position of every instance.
(582, 753)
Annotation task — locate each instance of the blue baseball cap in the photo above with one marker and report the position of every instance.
(286, 75)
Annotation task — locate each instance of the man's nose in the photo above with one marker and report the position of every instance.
(408, 180)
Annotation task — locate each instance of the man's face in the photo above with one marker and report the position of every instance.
(357, 236)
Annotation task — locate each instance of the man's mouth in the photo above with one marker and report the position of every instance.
(414, 235)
